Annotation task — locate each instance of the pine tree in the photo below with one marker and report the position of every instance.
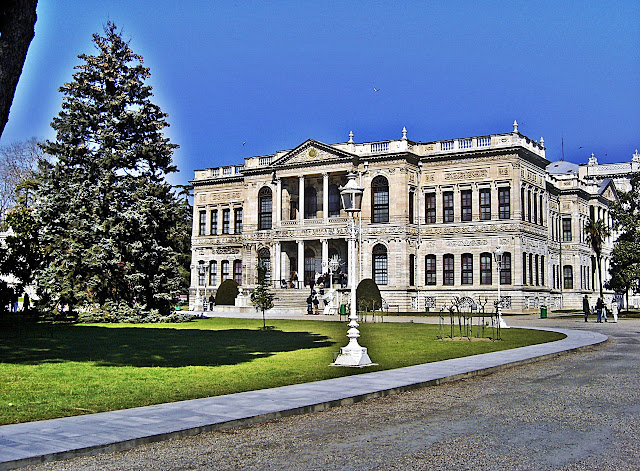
(108, 214)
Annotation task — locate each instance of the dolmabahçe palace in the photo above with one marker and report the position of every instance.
(432, 216)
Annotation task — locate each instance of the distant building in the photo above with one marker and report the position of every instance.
(432, 217)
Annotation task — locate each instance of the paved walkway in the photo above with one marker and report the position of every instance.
(34, 442)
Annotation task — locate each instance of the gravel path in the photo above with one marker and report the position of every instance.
(577, 412)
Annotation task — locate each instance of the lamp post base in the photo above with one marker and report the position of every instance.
(354, 356)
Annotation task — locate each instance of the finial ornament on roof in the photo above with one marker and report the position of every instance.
(636, 157)
(593, 160)
(515, 126)
(404, 133)
(350, 137)
(542, 141)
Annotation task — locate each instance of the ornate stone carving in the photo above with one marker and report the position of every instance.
(466, 243)
(466, 174)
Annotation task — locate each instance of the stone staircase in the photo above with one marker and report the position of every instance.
(291, 299)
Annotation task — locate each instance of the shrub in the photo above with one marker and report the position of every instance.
(227, 292)
(368, 295)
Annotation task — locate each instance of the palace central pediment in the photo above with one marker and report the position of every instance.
(312, 152)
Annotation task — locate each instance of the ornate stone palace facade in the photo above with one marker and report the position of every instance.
(432, 216)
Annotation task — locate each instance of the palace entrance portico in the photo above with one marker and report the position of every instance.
(305, 258)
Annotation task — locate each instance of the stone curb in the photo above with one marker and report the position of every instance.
(49, 440)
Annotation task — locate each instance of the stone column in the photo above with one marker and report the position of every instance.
(301, 279)
(325, 200)
(278, 201)
(325, 255)
(301, 201)
(277, 269)
(495, 207)
(439, 204)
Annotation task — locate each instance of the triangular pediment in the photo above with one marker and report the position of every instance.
(609, 191)
(312, 152)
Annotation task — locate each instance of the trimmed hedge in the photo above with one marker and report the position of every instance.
(368, 295)
(227, 293)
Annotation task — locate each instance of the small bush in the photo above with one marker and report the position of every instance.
(368, 295)
(227, 293)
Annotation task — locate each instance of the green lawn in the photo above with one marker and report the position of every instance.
(62, 370)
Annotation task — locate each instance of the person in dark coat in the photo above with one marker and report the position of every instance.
(585, 307)
(599, 309)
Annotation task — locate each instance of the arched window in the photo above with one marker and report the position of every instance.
(310, 202)
(237, 271)
(568, 276)
(430, 270)
(447, 270)
(531, 269)
(505, 270)
(485, 269)
(265, 212)
(225, 270)
(380, 274)
(213, 272)
(264, 260)
(380, 199)
(309, 266)
(412, 270)
(334, 201)
(466, 269)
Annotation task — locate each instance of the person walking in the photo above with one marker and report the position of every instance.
(316, 303)
(599, 309)
(585, 307)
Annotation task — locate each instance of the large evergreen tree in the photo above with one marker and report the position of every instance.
(625, 258)
(109, 217)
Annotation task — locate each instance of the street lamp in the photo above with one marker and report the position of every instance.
(353, 354)
(498, 258)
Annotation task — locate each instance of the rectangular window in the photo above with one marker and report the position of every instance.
(213, 228)
(466, 204)
(430, 205)
(225, 270)
(225, 220)
(529, 205)
(504, 203)
(524, 268)
(566, 229)
(542, 269)
(535, 209)
(531, 269)
(485, 204)
(203, 223)
(238, 221)
(447, 206)
(447, 270)
(466, 272)
(430, 270)
(411, 203)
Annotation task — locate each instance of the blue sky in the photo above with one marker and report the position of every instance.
(273, 74)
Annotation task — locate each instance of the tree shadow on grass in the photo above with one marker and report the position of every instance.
(147, 347)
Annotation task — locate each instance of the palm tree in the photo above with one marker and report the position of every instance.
(596, 232)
